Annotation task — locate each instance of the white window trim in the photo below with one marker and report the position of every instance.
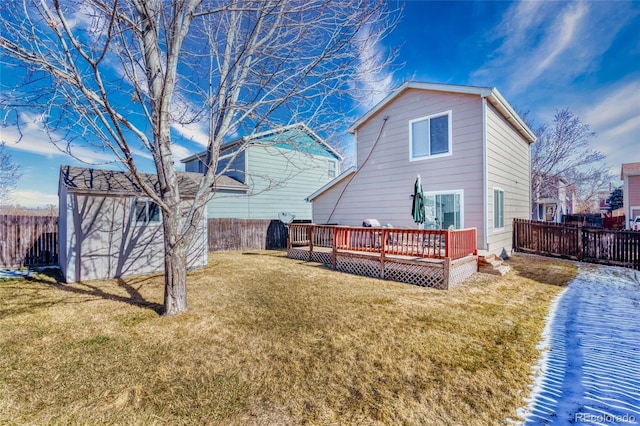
(504, 216)
(448, 192)
(449, 134)
(147, 200)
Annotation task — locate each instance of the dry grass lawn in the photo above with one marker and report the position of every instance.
(273, 341)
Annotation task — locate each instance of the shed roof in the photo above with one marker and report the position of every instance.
(115, 182)
(629, 169)
(490, 93)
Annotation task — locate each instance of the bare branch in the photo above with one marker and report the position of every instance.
(130, 76)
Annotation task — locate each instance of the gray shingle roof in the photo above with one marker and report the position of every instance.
(115, 182)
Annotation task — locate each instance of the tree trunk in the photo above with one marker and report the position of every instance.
(175, 269)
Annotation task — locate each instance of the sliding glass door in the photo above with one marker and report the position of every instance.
(444, 210)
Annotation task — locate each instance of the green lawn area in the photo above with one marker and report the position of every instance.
(273, 341)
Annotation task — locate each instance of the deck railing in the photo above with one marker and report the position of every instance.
(424, 243)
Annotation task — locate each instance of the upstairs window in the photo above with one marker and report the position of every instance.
(195, 166)
(145, 212)
(332, 169)
(430, 136)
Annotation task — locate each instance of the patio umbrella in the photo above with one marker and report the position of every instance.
(417, 208)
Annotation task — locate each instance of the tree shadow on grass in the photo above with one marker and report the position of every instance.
(134, 297)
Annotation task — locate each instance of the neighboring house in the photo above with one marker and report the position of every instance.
(630, 175)
(109, 228)
(603, 206)
(555, 199)
(470, 147)
(278, 168)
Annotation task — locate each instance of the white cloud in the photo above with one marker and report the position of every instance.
(28, 198)
(616, 105)
(179, 152)
(548, 44)
(537, 39)
(32, 137)
(561, 38)
(374, 83)
(196, 132)
(517, 24)
(613, 114)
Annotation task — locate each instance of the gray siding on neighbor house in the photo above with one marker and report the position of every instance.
(508, 168)
(279, 180)
(236, 166)
(383, 185)
(99, 241)
(233, 166)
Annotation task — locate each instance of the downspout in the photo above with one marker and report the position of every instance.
(485, 177)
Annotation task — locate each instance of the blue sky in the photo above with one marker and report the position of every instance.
(541, 55)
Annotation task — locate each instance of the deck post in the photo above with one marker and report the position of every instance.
(383, 236)
(334, 251)
(310, 233)
(447, 242)
(447, 267)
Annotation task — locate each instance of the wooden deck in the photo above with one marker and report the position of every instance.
(430, 258)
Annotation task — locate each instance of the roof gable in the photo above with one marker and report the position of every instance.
(489, 93)
(629, 169)
(297, 137)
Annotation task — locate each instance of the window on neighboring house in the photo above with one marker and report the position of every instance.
(498, 209)
(195, 166)
(332, 169)
(145, 212)
(430, 136)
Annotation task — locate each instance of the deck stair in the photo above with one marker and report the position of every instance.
(489, 263)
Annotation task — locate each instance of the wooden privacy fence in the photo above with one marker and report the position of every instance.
(611, 247)
(246, 234)
(28, 240)
(33, 240)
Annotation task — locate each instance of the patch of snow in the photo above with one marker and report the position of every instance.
(589, 372)
(8, 273)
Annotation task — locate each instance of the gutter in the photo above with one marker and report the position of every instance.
(511, 115)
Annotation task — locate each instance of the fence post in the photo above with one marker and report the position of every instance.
(334, 251)
(581, 235)
(383, 245)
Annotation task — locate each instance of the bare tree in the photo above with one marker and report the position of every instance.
(562, 154)
(9, 175)
(131, 75)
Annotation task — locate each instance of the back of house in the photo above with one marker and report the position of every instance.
(469, 147)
